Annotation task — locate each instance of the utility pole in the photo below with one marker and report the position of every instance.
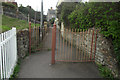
(41, 13)
(29, 14)
(28, 18)
(35, 18)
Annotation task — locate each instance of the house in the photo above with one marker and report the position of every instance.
(51, 14)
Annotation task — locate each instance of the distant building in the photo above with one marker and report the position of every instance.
(51, 14)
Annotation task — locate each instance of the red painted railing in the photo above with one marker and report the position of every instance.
(53, 44)
(74, 45)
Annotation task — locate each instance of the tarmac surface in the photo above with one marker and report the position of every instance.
(38, 65)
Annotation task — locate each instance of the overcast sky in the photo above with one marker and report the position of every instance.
(36, 4)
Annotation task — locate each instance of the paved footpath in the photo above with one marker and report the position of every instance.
(38, 65)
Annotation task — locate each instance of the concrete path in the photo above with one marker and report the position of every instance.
(38, 65)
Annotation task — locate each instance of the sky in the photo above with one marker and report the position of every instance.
(36, 4)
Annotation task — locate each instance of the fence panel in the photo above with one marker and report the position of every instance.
(8, 53)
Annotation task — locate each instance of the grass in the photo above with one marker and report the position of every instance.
(49, 49)
(17, 67)
(9, 22)
(16, 70)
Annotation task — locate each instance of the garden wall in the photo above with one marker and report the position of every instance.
(22, 43)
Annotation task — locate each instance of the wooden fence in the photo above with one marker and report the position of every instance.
(8, 53)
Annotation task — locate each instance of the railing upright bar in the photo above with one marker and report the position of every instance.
(29, 38)
(53, 44)
(1, 58)
(92, 44)
(85, 45)
(95, 44)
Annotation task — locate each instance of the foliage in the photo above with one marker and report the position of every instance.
(52, 20)
(9, 22)
(9, 5)
(16, 70)
(105, 72)
(64, 10)
(28, 10)
(17, 67)
(104, 15)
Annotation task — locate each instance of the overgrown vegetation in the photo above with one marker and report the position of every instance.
(64, 11)
(29, 10)
(106, 73)
(9, 22)
(9, 5)
(16, 70)
(101, 15)
(52, 21)
(17, 67)
(13, 7)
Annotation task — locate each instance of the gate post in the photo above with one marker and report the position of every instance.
(29, 38)
(53, 44)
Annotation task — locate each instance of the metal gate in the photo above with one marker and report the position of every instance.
(36, 35)
(76, 45)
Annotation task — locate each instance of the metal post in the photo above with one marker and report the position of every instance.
(53, 44)
(28, 18)
(35, 18)
(41, 13)
(29, 37)
(95, 43)
(41, 23)
(92, 44)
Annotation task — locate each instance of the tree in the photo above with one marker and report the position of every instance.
(104, 15)
(64, 10)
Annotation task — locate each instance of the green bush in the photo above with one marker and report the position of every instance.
(9, 5)
(104, 15)
(64, 10)
(52, 21)
(105, 72)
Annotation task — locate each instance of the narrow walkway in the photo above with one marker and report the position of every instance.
(38, 66)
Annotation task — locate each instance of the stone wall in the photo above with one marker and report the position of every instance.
(104, 48)
(22, 43)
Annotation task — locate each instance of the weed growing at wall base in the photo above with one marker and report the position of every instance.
(16, 70)
(106, 73)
